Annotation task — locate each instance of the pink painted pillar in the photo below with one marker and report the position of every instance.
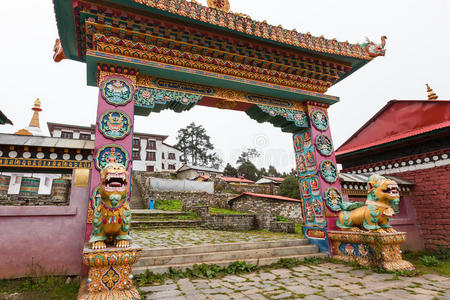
(114, 129)
(318, 177)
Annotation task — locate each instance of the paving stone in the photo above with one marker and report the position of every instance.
(294, 285)
(302, 269)
(256, 297)
(306, 290)
(267, 276)
(164, 294)
(313, 297)
(282, 295)
(434, 277)
(234, 279)
(221, 290)
(184, 237)
(158, 288)
(237, 296)
(219, 297)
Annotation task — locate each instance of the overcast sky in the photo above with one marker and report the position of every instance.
(418, 46)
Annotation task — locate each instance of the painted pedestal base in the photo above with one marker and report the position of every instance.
(370, 249)
(110, 275)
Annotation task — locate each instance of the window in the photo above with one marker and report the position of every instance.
(162, 166)
(136, 155)
(67, 135)
(171, 167)
(150, 169)
(171, 155)
(136, 143)
(151, 156)
(151, 145)
(162, 155)
(85, 136)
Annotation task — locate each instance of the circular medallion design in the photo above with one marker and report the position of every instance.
(328, 171)
(116, 91)
(319, 120)
(333, 198)
(324, 145)
(111, 153)
(114, 124)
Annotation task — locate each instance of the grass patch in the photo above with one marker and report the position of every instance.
(440, 264)
(171, 205)
(222, 211)
(299, 230)
(282, 219)
(47, 287)
(215, 271)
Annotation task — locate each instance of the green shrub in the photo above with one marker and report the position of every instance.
(282, 219)
(443, 253)
(173, 205)
(430, 261)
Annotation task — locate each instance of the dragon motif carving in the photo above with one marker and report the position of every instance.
(373, 49)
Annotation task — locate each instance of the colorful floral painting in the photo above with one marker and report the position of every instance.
(333, 198)
(114, 124)
(116, 91)
(111, 153)
(328, 171)
(324, 145)
(319, 119)
(149, 98)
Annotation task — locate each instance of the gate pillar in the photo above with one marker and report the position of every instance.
(113, 130)
(318, 179)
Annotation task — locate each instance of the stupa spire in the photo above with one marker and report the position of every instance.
(431, 94)
(34, 126)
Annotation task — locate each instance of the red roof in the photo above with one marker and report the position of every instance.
(399, 119)
(266, 196)
(279, 179)
(234, 179)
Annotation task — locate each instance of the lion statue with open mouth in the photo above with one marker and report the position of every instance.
(111, 221)
(373, 215)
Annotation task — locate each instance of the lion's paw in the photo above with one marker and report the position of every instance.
(122, 244)
(98, 245)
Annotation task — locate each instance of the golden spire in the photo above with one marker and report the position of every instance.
(431, 94)
(35, 119)
(34, 123)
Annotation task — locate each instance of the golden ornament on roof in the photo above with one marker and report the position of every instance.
(431, 94)
(223, 5)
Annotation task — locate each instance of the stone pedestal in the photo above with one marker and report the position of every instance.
(370, 249)
(110, 274)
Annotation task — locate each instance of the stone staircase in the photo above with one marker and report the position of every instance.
(136, 201)
(159, 260)
(145, 218)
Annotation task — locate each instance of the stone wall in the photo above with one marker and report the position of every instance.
(231, 222)
(266, 209)
(191, 199)
(431, 199)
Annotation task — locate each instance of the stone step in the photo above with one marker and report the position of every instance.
(224, 263)
(141, 224)
(149, 252)
(146, 214)
(236, 255)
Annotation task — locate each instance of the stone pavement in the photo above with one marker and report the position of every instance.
(185, 237)
(324, 281)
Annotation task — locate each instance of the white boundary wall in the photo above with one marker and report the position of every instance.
(170, 185)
